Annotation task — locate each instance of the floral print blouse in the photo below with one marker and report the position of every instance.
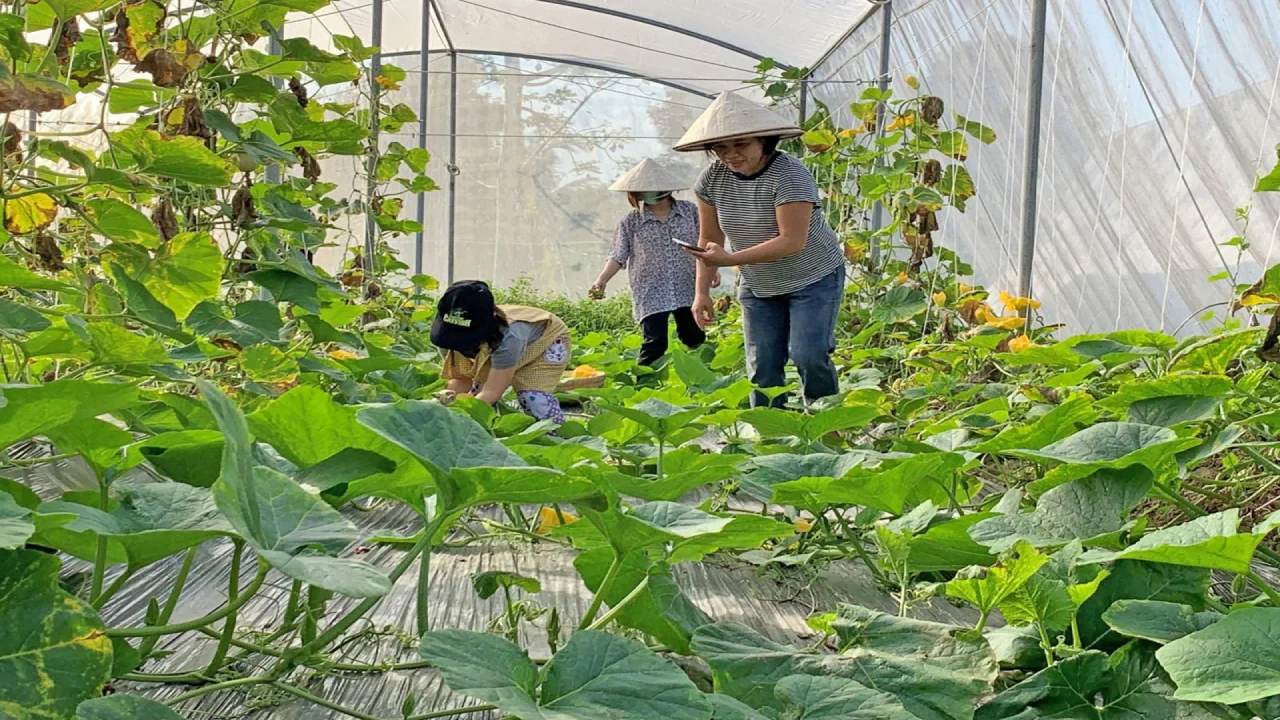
(661, 274)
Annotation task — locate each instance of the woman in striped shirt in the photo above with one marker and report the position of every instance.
(765, 204)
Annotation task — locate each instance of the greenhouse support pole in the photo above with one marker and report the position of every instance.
(453, 157)
(1031, 169)
(371, 160)
(804, 99)
(273, 48)
(424, 59)
(882, 82)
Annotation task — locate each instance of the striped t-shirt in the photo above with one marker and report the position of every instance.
(746, 209)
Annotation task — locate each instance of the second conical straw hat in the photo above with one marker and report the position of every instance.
(649, 176)
(733, 116)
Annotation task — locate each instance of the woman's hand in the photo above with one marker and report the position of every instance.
(715, 278)
(597, 291)
(704, 310)
(713, 256)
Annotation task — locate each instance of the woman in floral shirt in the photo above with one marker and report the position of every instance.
(662, 276)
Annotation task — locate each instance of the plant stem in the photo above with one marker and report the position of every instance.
(982, 623)
(662, 446)
(224, 685)
(424, 573)
(317, 700)
(166, 612)
(612, 574)
(100, 556)
(616, 610)
(228, 625)
(112, 589)
(454, 711)
(231, 607)
(1045, 645)
(346, 621)
(1265, 587)
(291, 609)
(32, 462)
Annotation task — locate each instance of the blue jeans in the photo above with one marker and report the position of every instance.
(801, 326)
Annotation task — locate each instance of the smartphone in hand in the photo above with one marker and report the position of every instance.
(687, 244)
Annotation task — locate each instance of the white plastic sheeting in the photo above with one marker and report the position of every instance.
(1157, 118)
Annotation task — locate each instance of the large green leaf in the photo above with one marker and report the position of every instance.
(16, 276)
(121, 221)
(776, 423)
(31, 410)
(1168, 386)
(768, 471)
(438, 437)
(253, 322)
(1212, 541)
(298, 534)
(289, 527)
(948, 546)
(661, 610)
(899, 304)
(596, 675)
(1083, 510)
(602, 675)
(307, 426)
(1131, 686)
(179, 157)
(18, 318)
(151, 522)
(684, 469)
(1108, 445)
(932, 672)
(1214, 353)
(658, 417)
(993, 586)
(486, 667)
(112, 344)
(1173, 410)
(1134, 580)
(1235, 660)
(120, 706)
(54, 652)
(1155, 620)
(1042, 601)
(190, 456)
(1072, 415)
(833, 698)
(184, 273)
(139, 300)
(18, 522)
(895, 483)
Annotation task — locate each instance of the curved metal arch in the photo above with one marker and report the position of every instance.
(665, 26)
(568, 61)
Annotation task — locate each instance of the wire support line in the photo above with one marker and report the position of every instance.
(606, 38)
(898, 19)
(572, 76)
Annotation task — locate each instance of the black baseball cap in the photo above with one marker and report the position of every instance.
(464, 317)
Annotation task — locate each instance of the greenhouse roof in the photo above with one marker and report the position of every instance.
(704, 46)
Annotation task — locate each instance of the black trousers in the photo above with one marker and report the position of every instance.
(654, 328)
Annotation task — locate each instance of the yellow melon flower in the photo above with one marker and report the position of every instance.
(964, 289)
(341, 354)
(1013, 322)
(901, 122)
(1021, 343)
(549, 518)
(1018, 303)
(901, 278)
(912, 82)
(851, 132)
(940, 298)
(802, 525)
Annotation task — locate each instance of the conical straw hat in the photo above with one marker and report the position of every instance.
(732, 116)
(649, 176)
